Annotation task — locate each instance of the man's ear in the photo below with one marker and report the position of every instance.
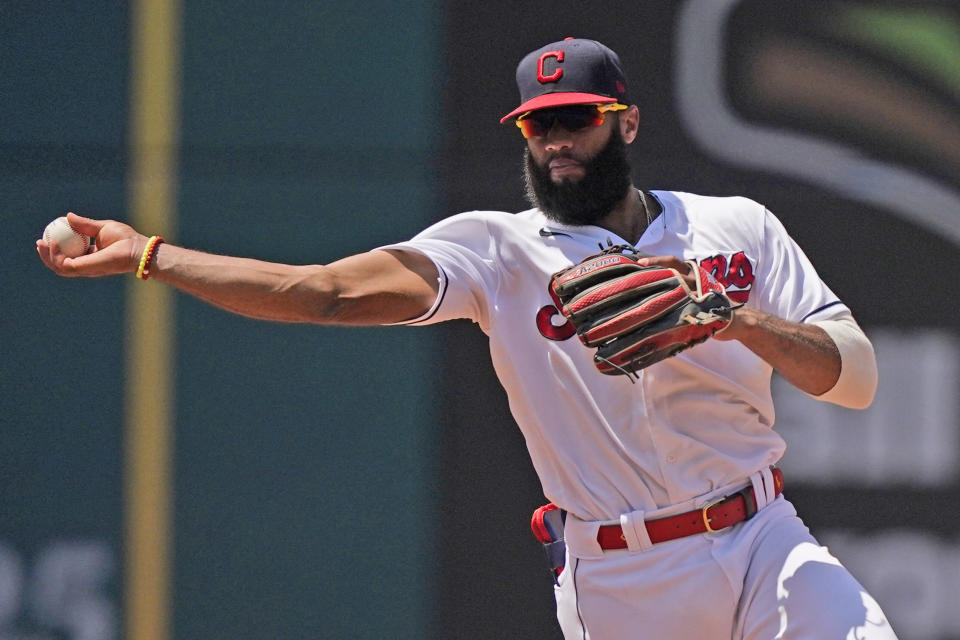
(629, 123)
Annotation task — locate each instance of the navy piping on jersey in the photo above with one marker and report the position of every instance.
(815, 311)
(443, 294)
(576, 598)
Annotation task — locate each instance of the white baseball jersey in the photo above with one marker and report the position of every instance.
(601, 445)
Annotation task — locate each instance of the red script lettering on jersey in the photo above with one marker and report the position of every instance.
(735, 274)
(549, 330)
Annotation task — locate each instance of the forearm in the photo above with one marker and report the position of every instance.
(253, 288)
(373, 288)
(803, 354)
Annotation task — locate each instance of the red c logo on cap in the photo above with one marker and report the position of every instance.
(557, 74)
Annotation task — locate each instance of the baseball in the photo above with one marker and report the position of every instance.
(72, 243)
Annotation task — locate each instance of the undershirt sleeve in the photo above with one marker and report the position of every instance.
(857, 384)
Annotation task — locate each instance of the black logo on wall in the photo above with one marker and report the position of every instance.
(860, 98)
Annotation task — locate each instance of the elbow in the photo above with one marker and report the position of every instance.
(312, 295)
(856, 386)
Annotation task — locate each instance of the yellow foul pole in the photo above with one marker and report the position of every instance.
(152, 178)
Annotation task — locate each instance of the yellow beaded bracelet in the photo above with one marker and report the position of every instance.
(149, 251)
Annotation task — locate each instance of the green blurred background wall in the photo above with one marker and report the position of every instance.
(64, 115)
(296, 145)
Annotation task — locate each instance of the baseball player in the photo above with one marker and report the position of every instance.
(660, 451)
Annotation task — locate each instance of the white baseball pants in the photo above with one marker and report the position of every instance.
(763, 579)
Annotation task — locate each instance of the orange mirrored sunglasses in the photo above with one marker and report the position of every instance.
(534, 124)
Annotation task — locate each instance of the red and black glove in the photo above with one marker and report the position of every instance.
(635, 315)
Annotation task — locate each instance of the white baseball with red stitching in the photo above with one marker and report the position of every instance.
(72, 243)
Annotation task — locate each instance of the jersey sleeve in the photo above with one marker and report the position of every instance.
(788, 283)
(463, 250)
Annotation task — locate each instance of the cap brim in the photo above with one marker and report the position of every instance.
(548, 100)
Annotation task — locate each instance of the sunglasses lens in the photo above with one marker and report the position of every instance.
(572, 118)
(576, 118)
(532, 127)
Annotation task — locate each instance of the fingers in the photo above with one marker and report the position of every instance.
(53, 258)
(671, 262)
(88, 226)
(112, 260)
(44, 252)
(91, 265)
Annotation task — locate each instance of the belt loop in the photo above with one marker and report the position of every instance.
(768, 487)
(759, 492)
(635, 532)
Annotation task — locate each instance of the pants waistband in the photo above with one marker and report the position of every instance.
(635, 532)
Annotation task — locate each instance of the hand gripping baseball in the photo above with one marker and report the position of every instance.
(117, 248)
(637, 314)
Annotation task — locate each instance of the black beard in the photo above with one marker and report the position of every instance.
(605, 183)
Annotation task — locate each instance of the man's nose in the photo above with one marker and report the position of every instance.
(558, 137)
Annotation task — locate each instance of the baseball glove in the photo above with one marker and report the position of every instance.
(635, 315)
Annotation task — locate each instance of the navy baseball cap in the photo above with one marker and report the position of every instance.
(572, 71)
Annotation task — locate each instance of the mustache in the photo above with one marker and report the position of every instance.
(564, 155)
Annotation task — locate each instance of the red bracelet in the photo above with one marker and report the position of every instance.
(148, 254)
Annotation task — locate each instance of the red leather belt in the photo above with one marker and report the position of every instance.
(720, 514)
